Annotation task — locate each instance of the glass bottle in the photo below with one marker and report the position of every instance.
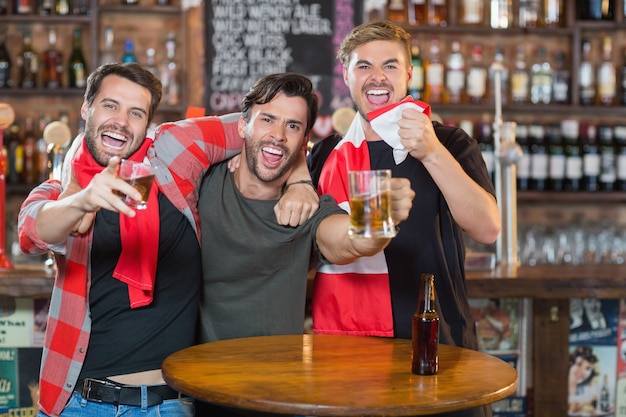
(573, 155)
(501, 14)
(498, 59)
(425, 331)
(23, 6)
(28, 63)
(416, 86)
(591, 157)
(15, 155)
(46, 7)
(5, 62)
(476, 76)
(586, 82)
(553, 13)
(52, 62)
(472, 12)
(169, 73)
(150, 61)
(538, 157)
(129, 52)
(623, 79)
(62, 7)
(619, 136)
(608, 174)
(434, 74)
(519, 78)
(561, 80)
(596, 9)
(397, 11)
(605, 404)
(77, 63)
(455, 75)
(484, 136)
(528, 13)
(43, 170)
(523, 165)
(130, 2)
(438, 12)
(607, 86)
(541, 79)
(107, 55)
(418, 12)
(30, 151)
(556, 157)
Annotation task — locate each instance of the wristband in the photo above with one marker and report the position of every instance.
(308, 182)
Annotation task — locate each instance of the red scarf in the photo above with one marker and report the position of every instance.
(137, 263)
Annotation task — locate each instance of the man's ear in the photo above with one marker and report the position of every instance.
(242, 126)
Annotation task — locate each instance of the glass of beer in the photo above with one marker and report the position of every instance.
(140, 176)
(370, 204)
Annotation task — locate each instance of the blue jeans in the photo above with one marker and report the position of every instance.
(77, 406)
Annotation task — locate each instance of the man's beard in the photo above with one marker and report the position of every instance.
(91, 140)
(253, 152)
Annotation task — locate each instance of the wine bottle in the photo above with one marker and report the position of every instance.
(425, 331)
(607, 158)
(416, 86)
(52, 62)
(77, 63)
(28, 63)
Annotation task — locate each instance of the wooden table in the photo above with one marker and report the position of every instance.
(327, 375)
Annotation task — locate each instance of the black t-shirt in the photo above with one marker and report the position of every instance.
(125, 340)
(429, 240)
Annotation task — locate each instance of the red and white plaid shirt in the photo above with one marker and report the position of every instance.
(183, 151)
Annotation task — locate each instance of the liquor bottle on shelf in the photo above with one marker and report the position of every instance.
(573, 155)
(523, 165)
(30, 151)
(46, 7)
(15, 155)
(107, 55)
(553, 16)
(81, 7)
(591, 157)
(416, 86)
(130, 2)
(528, 13)
(472, 12)
(501, 14)
(62, 7)
(5, 62)
(23, 6)
(4, 7)
(476, 76)
(484, 137)
(438, 12)
(425, 330)
(596, 9)
(586, 82)
(43, 170)
(455, 75)
(52, 62)
(397, 11)
(619, 136)
(418, 12)
(498, 59)
(434, 74)
(541, 78)
(607, 85)
(27, 63)
(77, 64)
(150, 61)
(561, 80)
(556, 157)
(169, 73)
(623, 79)
(608, 174)
(520, 78)
(129, 52)
(538, 157)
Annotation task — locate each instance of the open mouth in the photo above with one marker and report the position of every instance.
(378, 96)
(272, 155)
(113, 139)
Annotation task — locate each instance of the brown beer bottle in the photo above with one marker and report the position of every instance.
(425, 350)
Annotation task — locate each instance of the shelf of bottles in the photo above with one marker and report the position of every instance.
(558, 56)
(563, 73)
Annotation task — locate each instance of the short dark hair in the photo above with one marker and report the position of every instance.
(384, 30)
(288, 83)
(131, 71)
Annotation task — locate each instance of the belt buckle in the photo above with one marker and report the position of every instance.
(87, 388)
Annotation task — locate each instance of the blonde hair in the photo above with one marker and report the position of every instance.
(373, 31)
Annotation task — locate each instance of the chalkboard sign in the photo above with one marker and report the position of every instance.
(246, 39)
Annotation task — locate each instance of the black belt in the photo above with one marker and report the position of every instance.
(119, 394)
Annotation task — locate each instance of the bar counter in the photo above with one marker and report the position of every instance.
(550, 287)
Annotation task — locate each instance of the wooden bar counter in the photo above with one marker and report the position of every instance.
(550, 287)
